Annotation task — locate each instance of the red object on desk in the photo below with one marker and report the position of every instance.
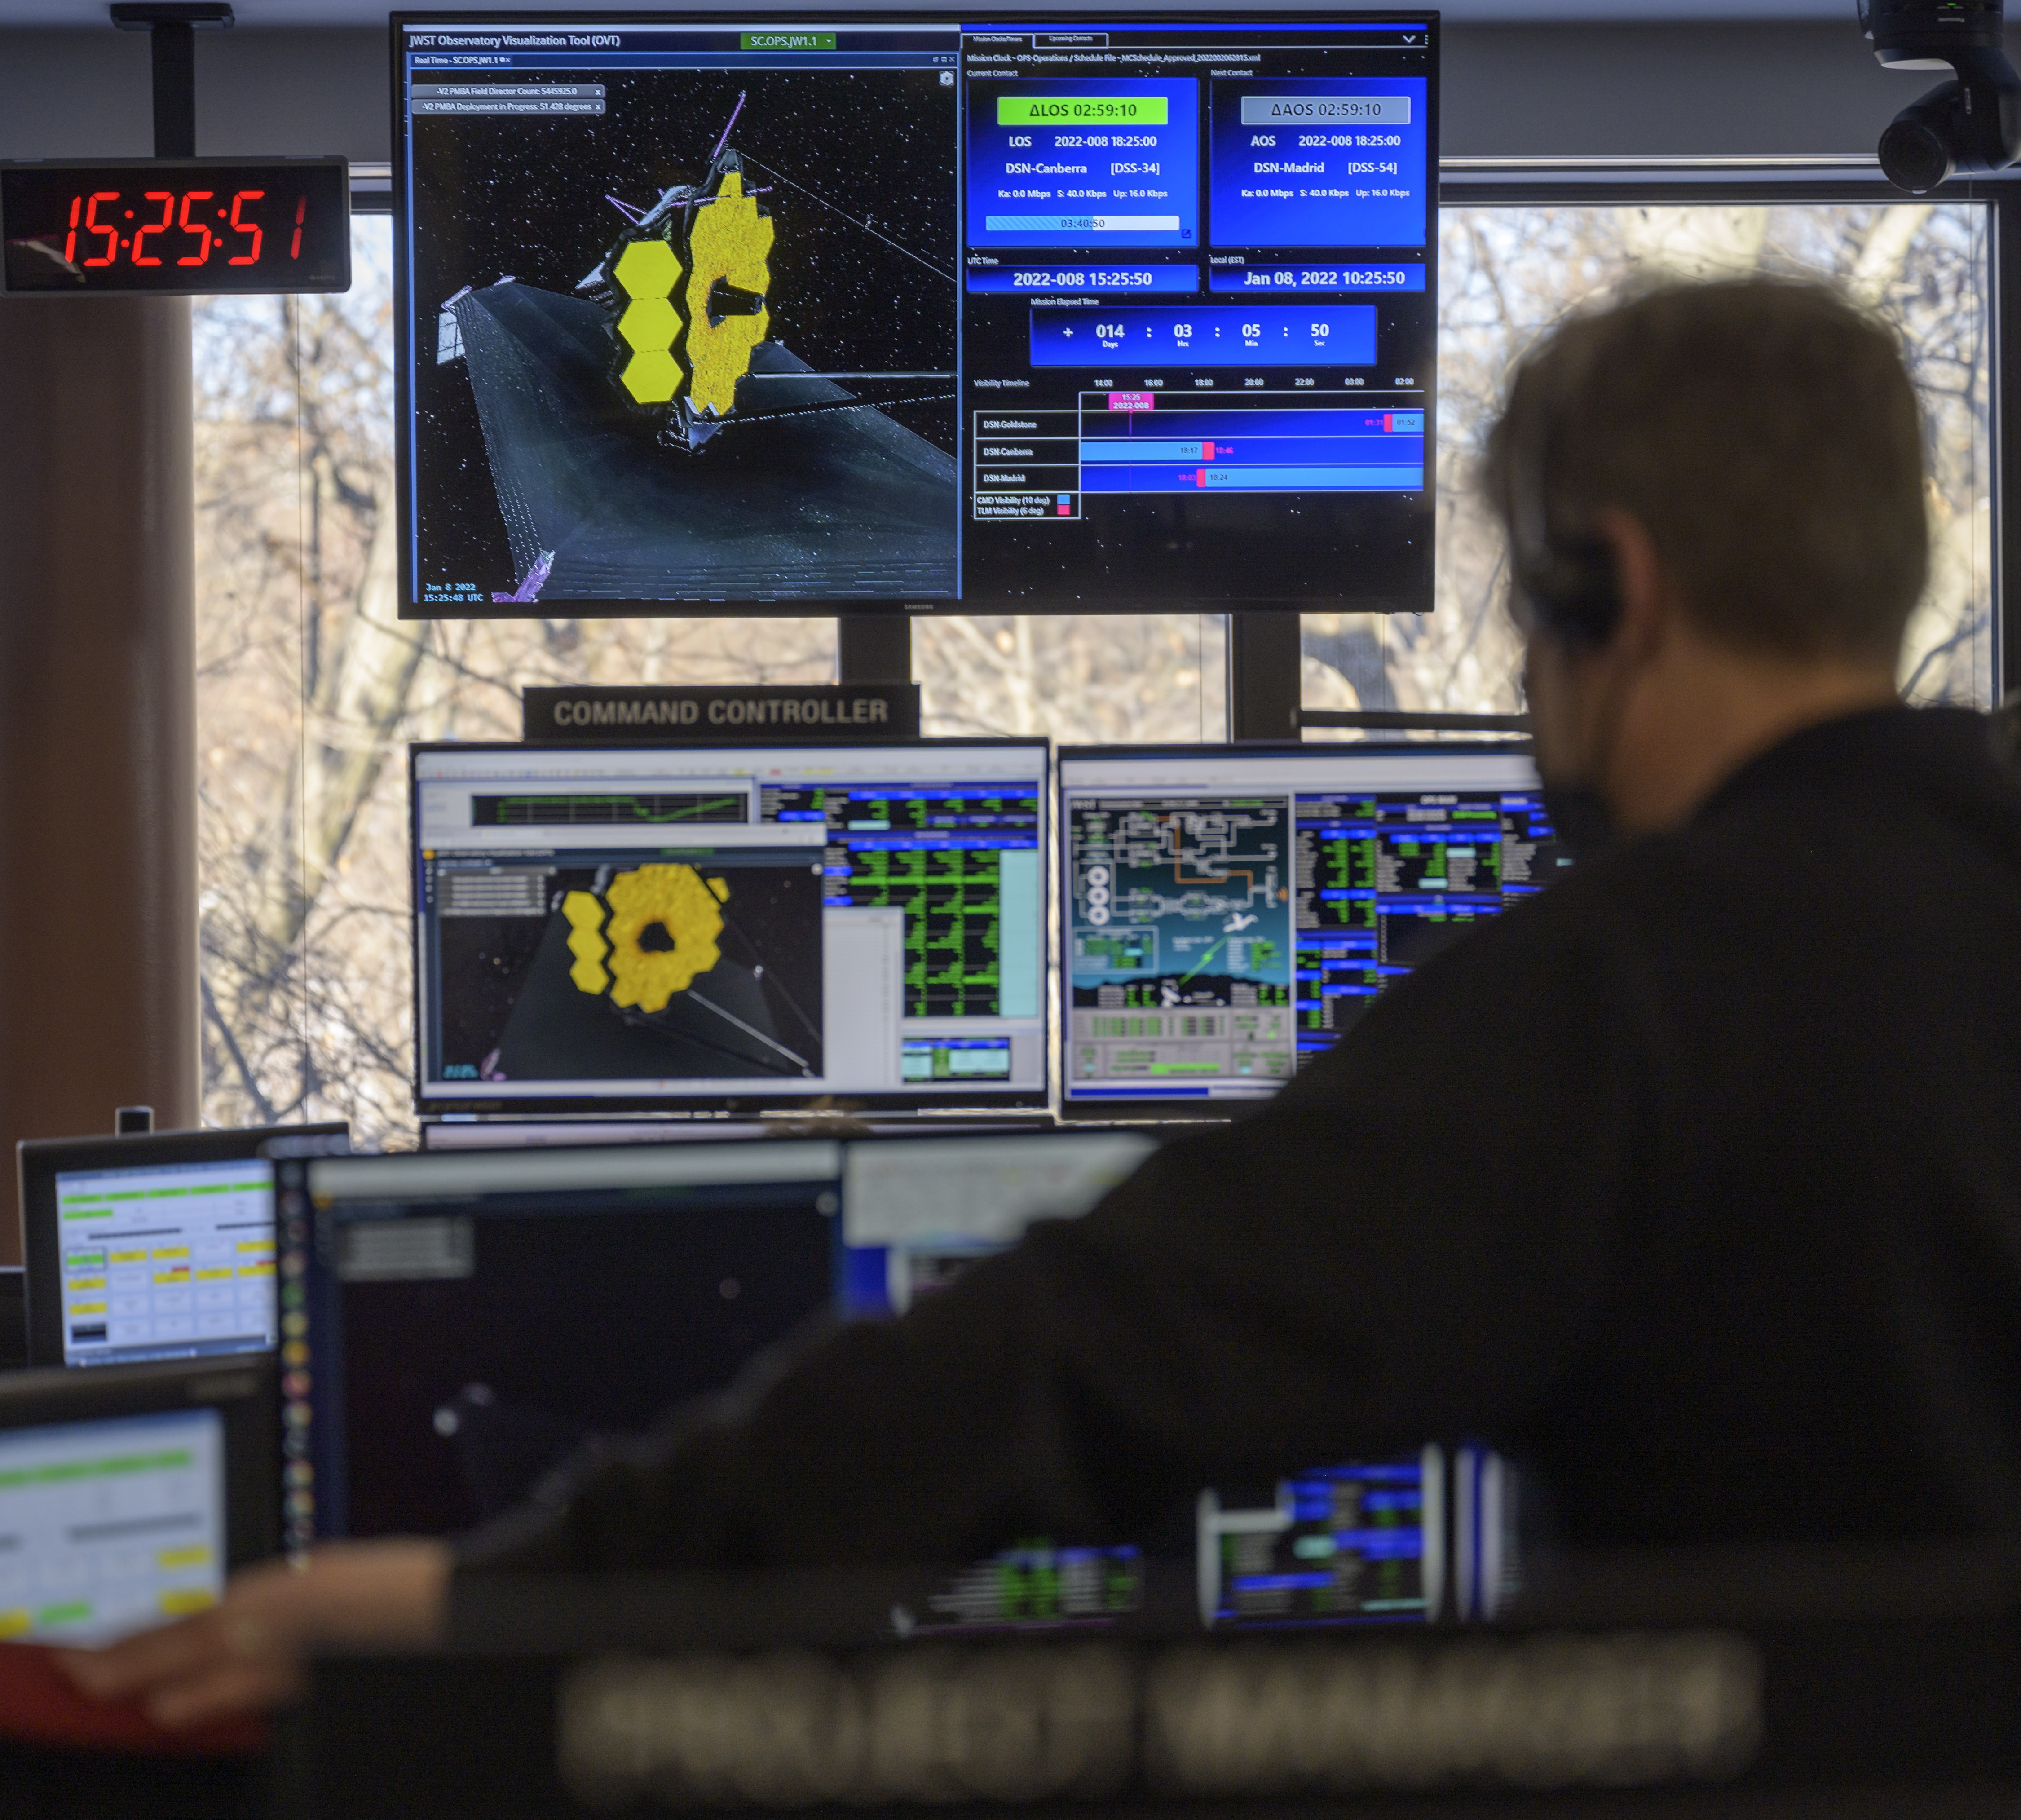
(39, 1704)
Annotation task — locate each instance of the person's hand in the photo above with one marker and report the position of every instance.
(246, 1654)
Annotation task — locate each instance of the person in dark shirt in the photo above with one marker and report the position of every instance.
(1692, 1184)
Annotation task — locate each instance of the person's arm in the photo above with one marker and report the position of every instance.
(1406, 1247)
(246, 1654)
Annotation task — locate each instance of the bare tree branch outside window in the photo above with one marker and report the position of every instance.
(1506, 275)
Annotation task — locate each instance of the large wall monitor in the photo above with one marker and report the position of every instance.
(159, 1246)
(1228, 912)
(607, 927)
(701, 313)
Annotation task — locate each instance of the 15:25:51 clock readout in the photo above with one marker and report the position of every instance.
(176, 227)
(84, 219)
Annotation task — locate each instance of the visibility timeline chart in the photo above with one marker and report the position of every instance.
(1042, 463)
(109, 1528)
(1181, 939)
(166, 1262)
(1198, 298)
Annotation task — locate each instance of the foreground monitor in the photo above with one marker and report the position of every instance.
(127, 1495)
(1229, 912)
(468, 1320)
(153, 1246)
(731, 928)
(707, 313)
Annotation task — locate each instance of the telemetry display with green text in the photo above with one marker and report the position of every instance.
(165, 1262)
(111, 1526)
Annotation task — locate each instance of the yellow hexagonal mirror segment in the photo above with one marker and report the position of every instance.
(647, 268)
(652, 379)
(650, 324)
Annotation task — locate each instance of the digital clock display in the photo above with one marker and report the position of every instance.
(187, 226)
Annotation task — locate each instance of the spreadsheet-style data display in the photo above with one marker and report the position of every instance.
(108, 1527)
(165, 1262)
(1229, 915)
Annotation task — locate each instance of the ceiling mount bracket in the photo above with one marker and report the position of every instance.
(173, 25)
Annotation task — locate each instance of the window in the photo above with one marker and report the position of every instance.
(1506, 273)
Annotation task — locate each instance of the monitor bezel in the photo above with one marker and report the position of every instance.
(406, 324)
(40, 1160)
(243, 1387)
(422, 1184)
(1215, 1110)
(1020, 1100)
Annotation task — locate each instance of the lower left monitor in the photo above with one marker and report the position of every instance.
(151, 1247)
(454, 1327)
(127, 1495)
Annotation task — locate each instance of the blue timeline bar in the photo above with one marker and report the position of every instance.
(1254, 279)
(1260, 451)
(1142, 280)
(1325, 450)
(1182, 416)
(1149, 335)
(1315, 478)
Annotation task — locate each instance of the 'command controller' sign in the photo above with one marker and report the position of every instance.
(766, 712)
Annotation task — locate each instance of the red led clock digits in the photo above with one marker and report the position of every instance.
(189, 227)
(251, 256)
(187, 212)
(167, 199)
(94, 225)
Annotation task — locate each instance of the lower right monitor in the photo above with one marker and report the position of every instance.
(1229, 912)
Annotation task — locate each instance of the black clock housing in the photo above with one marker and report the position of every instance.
(199, 226)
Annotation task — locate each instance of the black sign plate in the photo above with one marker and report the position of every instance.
(763, 713)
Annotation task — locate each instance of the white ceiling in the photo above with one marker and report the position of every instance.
(372, 12)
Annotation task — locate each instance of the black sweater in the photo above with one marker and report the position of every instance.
(1694, 1184)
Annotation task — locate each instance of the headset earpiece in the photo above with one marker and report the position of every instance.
(1573, 591)
(1571, 584)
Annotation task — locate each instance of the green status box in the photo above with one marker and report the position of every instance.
(1080, 111)
(786, 40)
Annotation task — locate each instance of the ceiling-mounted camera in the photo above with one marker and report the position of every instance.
(1971, 123)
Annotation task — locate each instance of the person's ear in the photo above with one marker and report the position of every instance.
(1647, 599)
